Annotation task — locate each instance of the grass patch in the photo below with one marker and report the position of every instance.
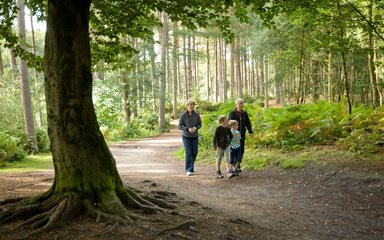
(31, 163)
(179, 153)
(297, 161)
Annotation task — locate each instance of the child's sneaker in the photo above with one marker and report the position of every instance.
(230, 174)
(219, 175)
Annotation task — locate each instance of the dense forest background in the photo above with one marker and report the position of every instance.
(323, 63)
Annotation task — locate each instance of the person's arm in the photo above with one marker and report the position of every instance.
(215, 139)
(249, 125)
(230, 116)
(199, 123)
(181, 125)
(230, 135)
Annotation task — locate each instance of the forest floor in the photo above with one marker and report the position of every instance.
(319, 201)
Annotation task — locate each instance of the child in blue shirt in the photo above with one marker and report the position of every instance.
(235, 150)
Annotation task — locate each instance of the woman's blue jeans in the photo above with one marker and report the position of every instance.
(191, 150)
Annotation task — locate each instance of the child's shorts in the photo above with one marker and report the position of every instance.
(222, 152)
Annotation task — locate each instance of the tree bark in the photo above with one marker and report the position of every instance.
(371, 60)
(175, 70)
(208, 74)
(26, 92)
(164, 42)
(232, 71)
(86, 179)
(1, 63)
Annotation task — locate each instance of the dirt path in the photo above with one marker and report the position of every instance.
(313, 203)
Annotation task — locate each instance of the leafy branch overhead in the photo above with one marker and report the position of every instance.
(112, 21)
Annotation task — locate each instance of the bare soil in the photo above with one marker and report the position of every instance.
(320, 201)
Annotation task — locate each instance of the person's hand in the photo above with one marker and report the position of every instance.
(251, 135)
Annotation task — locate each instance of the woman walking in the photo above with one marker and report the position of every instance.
(189, 124)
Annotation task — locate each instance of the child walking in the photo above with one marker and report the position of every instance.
(235, 150)
(221, 141)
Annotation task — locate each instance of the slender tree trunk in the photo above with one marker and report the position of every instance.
(224, 71)
(152, 56)
(277, 84)
(163, 80)
(13, 64)
(257, 76)
(196, 67)
(216, 72)
(26, 92)
(232, 70)
(189, 66)
(135, 85)
(238, 69)
(344, 63)
(1, 63)
(245, 67)
(371, 61)
(262, 75)
(266, 87)
(186, 85)
(220, 70)
(329, 75)
(175, 71)
(208, 75)
(39, 117)
(126, 99)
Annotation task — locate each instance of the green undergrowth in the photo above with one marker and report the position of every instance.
(260, 159)
(37, 162)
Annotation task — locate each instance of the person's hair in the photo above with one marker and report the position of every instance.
(233, 123)
(190, 101)
(239, 100)
(221, 118)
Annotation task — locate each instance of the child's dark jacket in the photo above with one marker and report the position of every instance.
(222, 137)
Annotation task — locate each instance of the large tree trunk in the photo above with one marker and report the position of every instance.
(84, 166)
(86, 178)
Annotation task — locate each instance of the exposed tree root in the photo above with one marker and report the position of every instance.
(46, 211)
(187, 225)
(180, 235)
(11, 200)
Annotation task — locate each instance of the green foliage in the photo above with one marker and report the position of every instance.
(210, 120)
(107, 102)
(207, 106)
(366, 130)
(146, 124)
(11, 111)
(10, 151)
(43, 140)
(290, 127)
(293, 127)
(30, 163)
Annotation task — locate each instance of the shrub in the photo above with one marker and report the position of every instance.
(9, 149)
